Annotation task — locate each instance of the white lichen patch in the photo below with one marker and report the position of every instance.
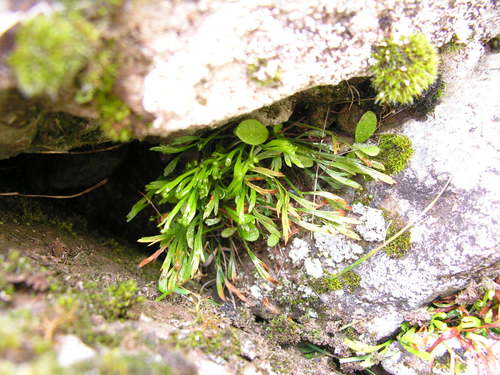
(313, 268)
(299, 250)
(372, 227)
(305, 291)
(336, 249)
(256, 292)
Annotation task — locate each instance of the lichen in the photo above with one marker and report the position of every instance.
(50, 51)
(404, 69)
(396, 151)
(349, 281)
(372, 224)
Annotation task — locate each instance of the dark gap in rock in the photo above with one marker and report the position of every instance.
(127, 168)
(260, 319)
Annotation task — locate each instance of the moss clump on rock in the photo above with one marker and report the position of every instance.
(349, 281)
(396, 151)
(400, 246)
(403, 69)
(50, 51)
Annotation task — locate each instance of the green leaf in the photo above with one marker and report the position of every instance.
(359, 346)
(184, 139)
(190, 235)
(170, 166)
(228, 232)
(220, 280)
(248, 232)
(168, 149)
(273, 240)
(252, 132)
(213, 221)
(366, 126)
(369, 150)
(136, 208)
(470, 322)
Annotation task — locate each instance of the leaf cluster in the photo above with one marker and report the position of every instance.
(223, 191)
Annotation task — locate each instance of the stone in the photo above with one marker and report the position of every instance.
(458, 239)
(193, 64)
(72, 350)
(372, 227)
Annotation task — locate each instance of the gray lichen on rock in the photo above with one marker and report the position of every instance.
(336, 249)
(372, 227)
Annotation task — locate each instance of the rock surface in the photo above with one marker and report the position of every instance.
(196, 64)
(458, 240)
(213, 46)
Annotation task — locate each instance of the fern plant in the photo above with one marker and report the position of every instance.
(236, 190)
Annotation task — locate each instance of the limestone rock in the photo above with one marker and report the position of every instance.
(458, 239)
(193, 64)
(72, 350)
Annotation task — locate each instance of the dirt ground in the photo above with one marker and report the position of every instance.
(66, 289)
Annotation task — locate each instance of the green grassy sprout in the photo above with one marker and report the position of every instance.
(245, 186)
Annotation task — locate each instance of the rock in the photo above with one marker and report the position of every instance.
(348, 119)
(193, 64)
(372, 227)
(267, 51)
(458, 239)
(72, 350)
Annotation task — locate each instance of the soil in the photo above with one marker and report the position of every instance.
(60, 279)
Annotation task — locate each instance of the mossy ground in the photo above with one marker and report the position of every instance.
(27, 344)
(91, 288)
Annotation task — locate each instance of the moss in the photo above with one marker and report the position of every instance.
(404, 69)
(117, 299)
(50, 50)
(256, 72)
(400, 246)
(284, 330)
(349, 281)
(222, 343)
(454, 45)
(29, 212)
(17, 270)
(396, 151)
(494, 44)
(96, 8)
(96, 86)
(62, 131)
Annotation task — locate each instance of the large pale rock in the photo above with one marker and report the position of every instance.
(216, 60)
(458, 240)
(201, 63)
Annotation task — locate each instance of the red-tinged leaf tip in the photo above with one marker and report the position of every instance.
(152, 257)
(236, 291)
